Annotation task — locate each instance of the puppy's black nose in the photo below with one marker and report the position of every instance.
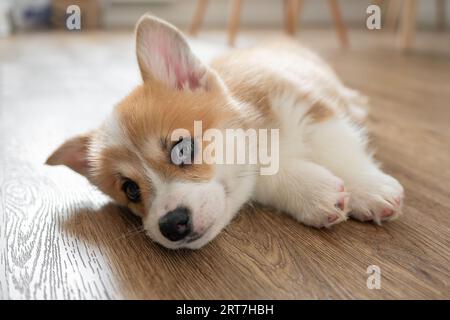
(175, 225)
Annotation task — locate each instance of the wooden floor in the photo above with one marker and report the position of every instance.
(60, 238)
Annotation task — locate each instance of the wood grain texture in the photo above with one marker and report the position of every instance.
(61, 239)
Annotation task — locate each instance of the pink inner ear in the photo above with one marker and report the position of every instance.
(184, 76)
(176, 61)
(182, 72)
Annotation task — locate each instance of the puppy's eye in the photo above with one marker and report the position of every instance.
(183, 152)
(131, 190)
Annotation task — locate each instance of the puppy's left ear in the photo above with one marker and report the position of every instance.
(73, 154)
(165, 56)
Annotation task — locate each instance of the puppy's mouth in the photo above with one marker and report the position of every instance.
(195, 235)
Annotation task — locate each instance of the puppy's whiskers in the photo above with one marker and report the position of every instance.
(130, 233)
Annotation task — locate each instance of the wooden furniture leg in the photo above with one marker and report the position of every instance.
(440, 15)
(291, 15)
(341, 29)
(287, 16)
(394, 9)
(408, 24)
(377, 2)
(199, 15)
(233, 22)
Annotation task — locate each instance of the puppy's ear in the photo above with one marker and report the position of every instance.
(73, 154)
(164, 55)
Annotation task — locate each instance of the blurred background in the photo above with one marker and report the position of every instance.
(26, 15)
(106, 14)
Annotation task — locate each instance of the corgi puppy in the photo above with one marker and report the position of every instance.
(324, 173)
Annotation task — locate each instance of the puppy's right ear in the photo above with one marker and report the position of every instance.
(73, 154)
(165, 56)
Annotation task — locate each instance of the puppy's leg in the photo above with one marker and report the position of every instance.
(307, 191)
(341, 147)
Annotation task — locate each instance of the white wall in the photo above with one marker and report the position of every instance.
(256, 13)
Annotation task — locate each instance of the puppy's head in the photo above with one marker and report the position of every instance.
(129, 157)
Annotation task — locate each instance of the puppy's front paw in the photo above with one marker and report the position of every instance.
(377, 197)
(329, 206)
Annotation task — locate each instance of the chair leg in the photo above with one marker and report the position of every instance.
(393, 13)
(341, 29)
(440, 13)
(287, 16)
(199, 15)
(408, 24)
(377, 2)
(233, 22)
(291, 15)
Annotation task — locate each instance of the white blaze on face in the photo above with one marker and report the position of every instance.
(205, 201)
